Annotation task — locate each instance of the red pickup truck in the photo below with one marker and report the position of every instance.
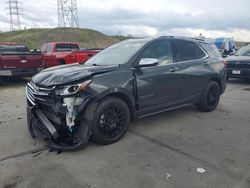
(17, 60)
(58, 53)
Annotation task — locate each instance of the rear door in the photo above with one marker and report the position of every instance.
(191, 66)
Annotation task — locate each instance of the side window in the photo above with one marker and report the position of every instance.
(49, 48)
(185, 51)
(160, 50)
(200, 53)
(211, 49)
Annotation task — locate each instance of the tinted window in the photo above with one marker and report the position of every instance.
(160, 50)
(185, 51)
(66, 47)
(13, 49)
(200, 53)
(211, 49)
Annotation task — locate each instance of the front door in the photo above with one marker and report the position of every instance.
(157, 85)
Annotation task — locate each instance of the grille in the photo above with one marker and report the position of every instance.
(37, 94)
(239, 65)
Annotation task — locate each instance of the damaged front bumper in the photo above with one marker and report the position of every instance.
(57, 120)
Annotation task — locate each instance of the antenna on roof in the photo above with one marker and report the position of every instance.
(67, 13)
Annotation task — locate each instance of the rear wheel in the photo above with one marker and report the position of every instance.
(210, 98)
(110, 121)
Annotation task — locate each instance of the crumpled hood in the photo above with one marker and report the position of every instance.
(64, 74)
(238, 58)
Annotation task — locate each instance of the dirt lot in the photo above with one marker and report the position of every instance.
(164, 150)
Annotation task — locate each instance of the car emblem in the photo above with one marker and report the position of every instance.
(23, 61)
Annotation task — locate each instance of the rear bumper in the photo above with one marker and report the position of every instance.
(244, 73)
(19, 72)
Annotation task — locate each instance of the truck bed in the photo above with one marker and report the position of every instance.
(20, 64)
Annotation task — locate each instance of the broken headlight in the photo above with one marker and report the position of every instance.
(72, 89)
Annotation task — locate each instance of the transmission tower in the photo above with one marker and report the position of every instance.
(67, 13)
(14, 12)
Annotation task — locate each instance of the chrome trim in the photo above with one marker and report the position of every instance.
(33, 95)
(28, 97)
(47, 123)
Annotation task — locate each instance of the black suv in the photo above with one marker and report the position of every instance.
(135, 78)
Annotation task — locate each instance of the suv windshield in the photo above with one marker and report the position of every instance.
(118, 54)
(244, 51)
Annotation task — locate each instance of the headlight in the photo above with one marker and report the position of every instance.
(72, 89)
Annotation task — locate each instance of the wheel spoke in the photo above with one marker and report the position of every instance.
(112, 122)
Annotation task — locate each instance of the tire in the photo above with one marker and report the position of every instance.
(60, 62)
(210, 98)
(111, 121)
(1, 81)
(30, 128)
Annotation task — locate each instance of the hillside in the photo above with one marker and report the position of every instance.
(34, 38)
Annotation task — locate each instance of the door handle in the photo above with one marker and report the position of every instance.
(173, 69)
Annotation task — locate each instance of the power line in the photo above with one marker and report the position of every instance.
(67, 13)
(14, 13)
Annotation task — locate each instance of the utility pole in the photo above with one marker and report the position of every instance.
(14, 12)
(67, 13)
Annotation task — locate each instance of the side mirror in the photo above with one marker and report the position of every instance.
(148, 62)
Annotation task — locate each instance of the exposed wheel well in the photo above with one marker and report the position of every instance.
(125, 99)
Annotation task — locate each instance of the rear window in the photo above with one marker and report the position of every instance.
(66, 47)
(14, 49)
(44, 48)
(211, 49)
(186, 51)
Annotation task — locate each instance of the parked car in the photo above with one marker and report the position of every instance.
(226, 46)
(16, 60)
(59, 53)
(132, 79)
(238, 66)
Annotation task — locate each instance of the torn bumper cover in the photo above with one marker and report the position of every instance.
(57, 121)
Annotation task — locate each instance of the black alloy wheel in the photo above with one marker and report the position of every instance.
(210, 97)
(111, 121)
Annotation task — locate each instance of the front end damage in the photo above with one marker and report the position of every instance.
(58, 119)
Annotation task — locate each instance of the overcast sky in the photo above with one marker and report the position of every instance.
(212, 18)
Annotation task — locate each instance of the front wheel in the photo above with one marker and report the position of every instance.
(210, 98)
(110, 121)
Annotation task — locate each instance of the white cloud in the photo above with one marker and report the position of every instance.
(213, 18)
